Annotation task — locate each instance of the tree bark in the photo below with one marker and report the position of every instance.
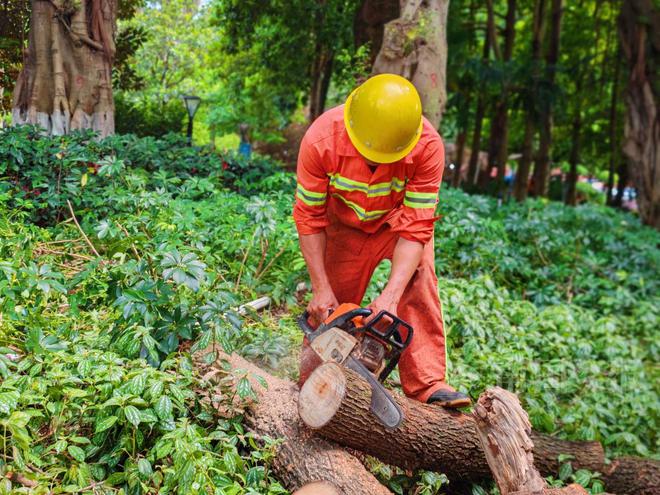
(574, 157)
(521, 186)
(621, 184)
(639, 30)
(473, 164)
(615, 151)
(504, 431)
(301, 458)
(458, 162)
(66, 79)
(335, 401)
(498, 149)
(419, 55)
(542, 163)
(321, 74)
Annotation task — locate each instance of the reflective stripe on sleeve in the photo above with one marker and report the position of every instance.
(415, 199)
(310, 198)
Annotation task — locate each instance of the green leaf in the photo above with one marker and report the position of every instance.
(244, 388)
(163, 407)
(565, 471)
(144, 468)
(77, 453)
(255, 475)
(106, 423)
(60, 445)
(132, 415)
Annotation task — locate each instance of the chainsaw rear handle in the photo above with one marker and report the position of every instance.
(340, 321)
(391, 334)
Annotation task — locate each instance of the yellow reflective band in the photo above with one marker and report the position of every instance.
(415, 199)
(372, 191)
(311, 194)
(306, 197)
(362, 214)
(421, 195)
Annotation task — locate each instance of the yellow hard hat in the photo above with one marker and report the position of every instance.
(383, 118)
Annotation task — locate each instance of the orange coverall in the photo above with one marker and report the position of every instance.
(363, 214)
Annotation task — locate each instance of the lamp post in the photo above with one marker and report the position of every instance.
(192, 103)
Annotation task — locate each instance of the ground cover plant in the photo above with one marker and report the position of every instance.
(98, 393)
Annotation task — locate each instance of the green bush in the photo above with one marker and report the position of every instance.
(147, 117)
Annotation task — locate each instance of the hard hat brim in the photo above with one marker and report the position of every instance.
(373, 155)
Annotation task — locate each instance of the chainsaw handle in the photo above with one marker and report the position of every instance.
(340, 321)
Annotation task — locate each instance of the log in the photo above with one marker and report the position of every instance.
(334, 402)
(302, 458)
(505, 434)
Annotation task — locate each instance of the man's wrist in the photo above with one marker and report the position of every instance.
(392, 293)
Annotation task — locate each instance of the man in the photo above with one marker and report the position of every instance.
(368, 178)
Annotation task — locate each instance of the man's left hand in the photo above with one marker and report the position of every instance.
(384, 302)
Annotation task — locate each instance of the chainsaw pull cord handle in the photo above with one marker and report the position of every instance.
(340, 321)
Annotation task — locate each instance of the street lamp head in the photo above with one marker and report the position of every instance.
(192, 103)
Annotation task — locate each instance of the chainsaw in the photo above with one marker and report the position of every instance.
(372, 350)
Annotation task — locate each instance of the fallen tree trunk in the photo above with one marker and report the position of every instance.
(335, 402)
(302, 458)
(504, 430)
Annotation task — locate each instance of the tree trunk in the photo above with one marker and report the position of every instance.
(521, 187)
(473, 164)
(458, 162)
(574, 157)
(504, 430)
(542, 163)
(521, 184)
(615, 151)
(301, 458)
(335, 402)
(321, 74)
(419, 55)
(621, 184)
(639, 28)
(499, 149)
(66, 79)
(369, 23)
(499, 129)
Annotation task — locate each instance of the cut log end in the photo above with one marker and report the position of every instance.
(318, 488)
(322, 395)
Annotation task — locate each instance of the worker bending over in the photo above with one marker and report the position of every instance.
(368, 178)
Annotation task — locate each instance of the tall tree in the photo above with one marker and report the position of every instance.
(615, 152)
(473, 164)
(542, 163)
(415, 46)
(521, 185)
(498, 149)
(66, 80)
(639, 29)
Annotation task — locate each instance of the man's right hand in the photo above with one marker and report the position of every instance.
(322, 303)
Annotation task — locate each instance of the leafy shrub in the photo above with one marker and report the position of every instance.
(557, 304)
(147, 117)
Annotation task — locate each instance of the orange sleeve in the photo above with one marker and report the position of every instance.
(309, 211)
(414, 219)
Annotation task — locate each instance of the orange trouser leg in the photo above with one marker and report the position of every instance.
(351, 258)
(423, 364)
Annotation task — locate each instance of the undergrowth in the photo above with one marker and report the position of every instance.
(559, 305)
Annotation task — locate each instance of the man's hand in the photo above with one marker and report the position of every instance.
(323, 301)
(385, 302)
